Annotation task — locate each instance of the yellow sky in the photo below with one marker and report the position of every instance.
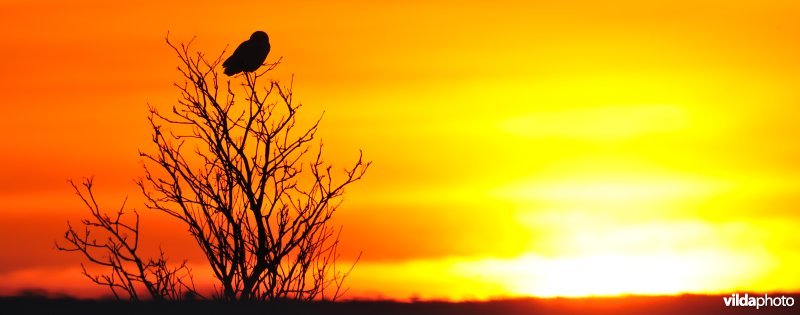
(565, 148)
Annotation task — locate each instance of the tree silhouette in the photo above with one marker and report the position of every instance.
(109, 241)
(232, 163)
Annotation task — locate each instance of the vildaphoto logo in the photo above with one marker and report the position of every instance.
(757, 301)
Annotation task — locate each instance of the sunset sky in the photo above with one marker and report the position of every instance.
(561, 148)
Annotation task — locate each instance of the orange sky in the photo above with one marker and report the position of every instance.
(568, 148)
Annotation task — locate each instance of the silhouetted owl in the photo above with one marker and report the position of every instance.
(249, 55)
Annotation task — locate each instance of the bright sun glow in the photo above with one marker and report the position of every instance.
(656, 273)
(623, 233)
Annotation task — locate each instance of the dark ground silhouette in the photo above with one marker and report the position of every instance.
(640, 305)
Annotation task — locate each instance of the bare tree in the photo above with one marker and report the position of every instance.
(111, 242)
(234, 165)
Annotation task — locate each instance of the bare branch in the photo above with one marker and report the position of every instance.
(112, 242)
